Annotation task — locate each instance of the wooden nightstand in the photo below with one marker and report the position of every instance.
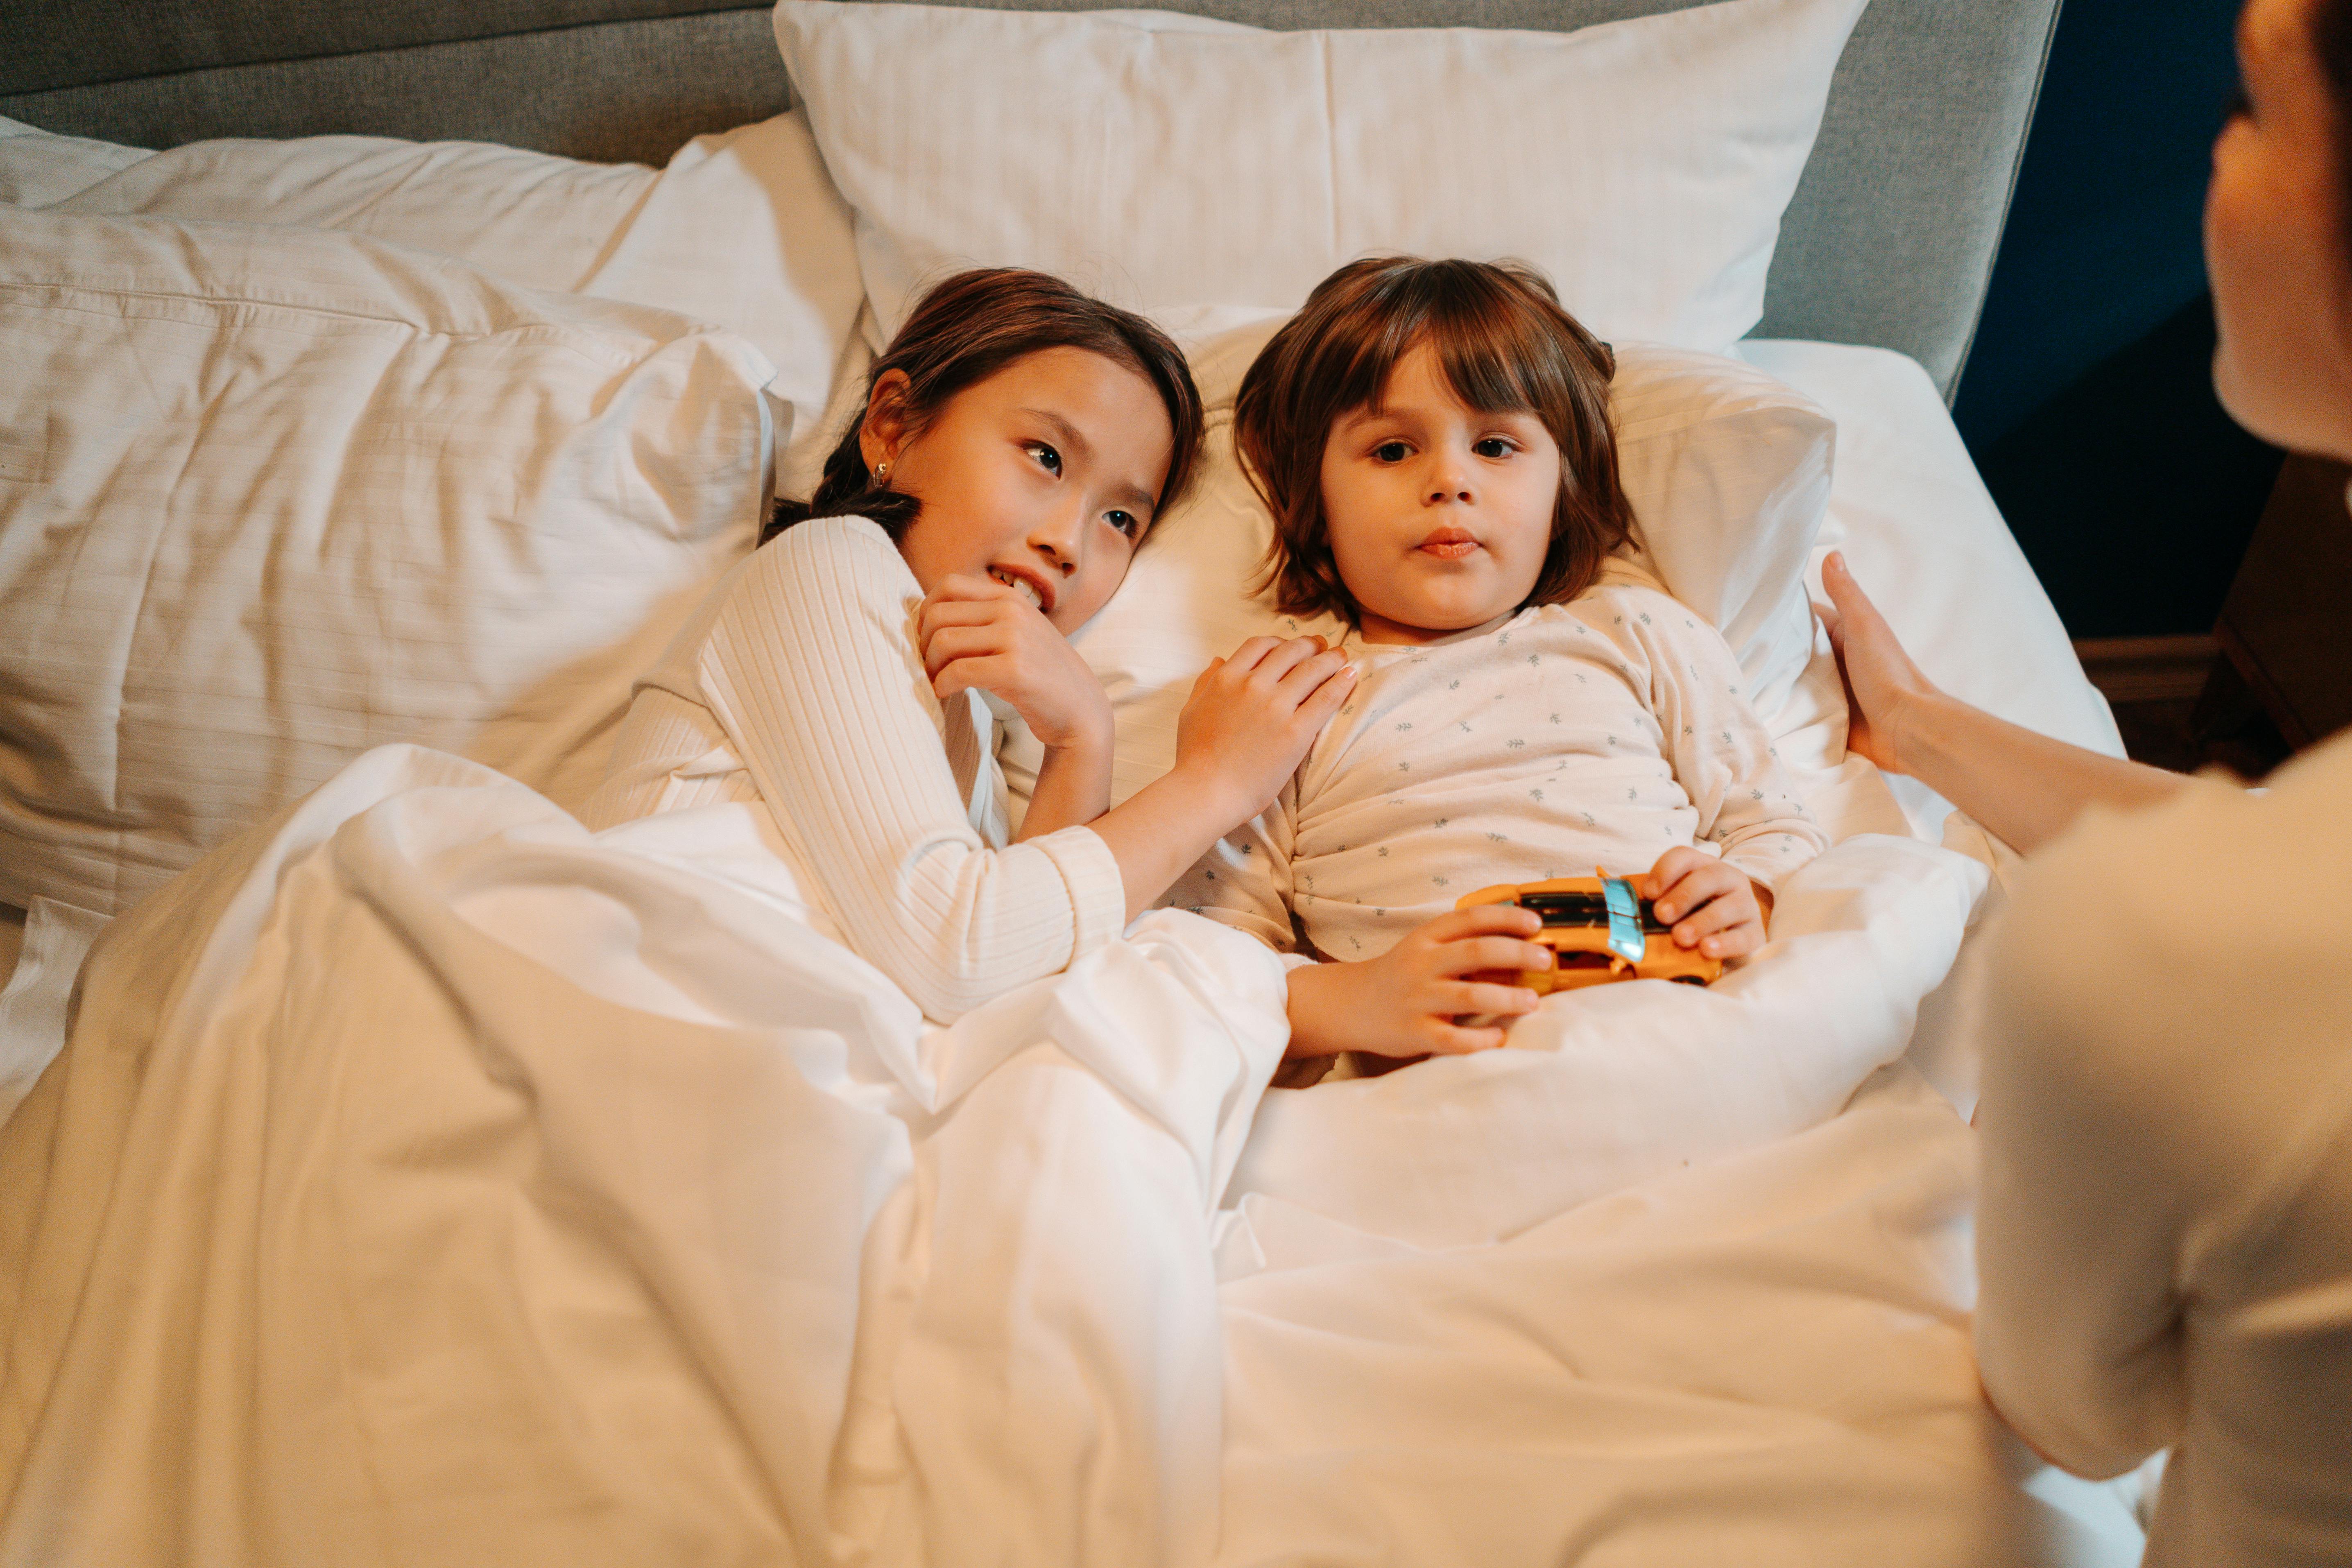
(2285, 630)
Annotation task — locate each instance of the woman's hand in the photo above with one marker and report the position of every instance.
(1711, 905)
(976, 632)
(1404, 1003)
(1882, 684)
(1251, 717)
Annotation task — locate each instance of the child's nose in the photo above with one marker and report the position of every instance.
(1448, 480)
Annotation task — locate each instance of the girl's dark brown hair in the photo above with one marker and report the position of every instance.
(1504, 345)
(972, 326)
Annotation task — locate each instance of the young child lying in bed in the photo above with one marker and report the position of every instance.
(1433, 441)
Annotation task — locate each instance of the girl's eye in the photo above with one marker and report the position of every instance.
(1127, 522)
(1494, 446)
(1389, 452)
(1048, 459)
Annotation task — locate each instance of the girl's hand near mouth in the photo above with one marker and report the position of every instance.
(979, 632)
(983, 633)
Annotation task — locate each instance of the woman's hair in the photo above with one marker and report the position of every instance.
(965, 330)
(1504, 345)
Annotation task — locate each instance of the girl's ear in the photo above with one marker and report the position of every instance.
(884, 430)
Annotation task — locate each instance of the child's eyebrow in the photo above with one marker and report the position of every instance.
(1064, 431)
(1130, 495)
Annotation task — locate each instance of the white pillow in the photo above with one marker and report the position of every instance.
(1727, 469)
(269, 496)
(1208, 173)
(38, 168)
(742, 228)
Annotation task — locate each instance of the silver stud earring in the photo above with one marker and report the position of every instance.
(881, 475)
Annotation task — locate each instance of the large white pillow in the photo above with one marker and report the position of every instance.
(38, 168)
(269, 496)
(742, 228)
(1212, 172)
(1728, 471)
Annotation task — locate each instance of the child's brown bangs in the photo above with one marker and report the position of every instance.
(1500, 361)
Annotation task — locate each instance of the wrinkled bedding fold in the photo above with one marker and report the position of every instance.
(428, 1180)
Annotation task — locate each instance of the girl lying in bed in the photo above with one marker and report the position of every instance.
(1433, 441)
(1017, 442)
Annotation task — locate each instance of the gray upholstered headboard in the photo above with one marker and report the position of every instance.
(1890, 239)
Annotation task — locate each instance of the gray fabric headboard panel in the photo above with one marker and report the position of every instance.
(1890, 239)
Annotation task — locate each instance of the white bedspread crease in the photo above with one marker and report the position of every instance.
(429, 1180)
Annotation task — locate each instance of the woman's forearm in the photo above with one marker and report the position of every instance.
(2024, 787)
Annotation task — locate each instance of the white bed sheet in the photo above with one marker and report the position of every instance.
(589, 1207)
(1761, 1358)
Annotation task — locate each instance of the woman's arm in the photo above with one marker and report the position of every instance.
(2024, 787)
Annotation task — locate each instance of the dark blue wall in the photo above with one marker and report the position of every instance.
(2087, 399)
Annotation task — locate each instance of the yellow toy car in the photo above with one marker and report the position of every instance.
(1599, 931)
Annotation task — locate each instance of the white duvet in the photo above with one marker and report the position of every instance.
(430, 1182)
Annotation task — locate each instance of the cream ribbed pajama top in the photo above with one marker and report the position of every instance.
(799, 684)
(1600, 732)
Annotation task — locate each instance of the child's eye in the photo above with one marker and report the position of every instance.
(1048, 459)
(1389, 452)
(1494, 446)
(1127, 522)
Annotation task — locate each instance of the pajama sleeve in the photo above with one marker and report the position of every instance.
(813, 672)
(1245, 880)
(1720, 750)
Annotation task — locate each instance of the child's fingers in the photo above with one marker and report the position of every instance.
(987, 673)
(1302, 678)
(1470, 955)
(1671, 868)
(1735, 941)
(1326, 700)
(1703, 878)
(1718, 914)
(948, 644)
(1464, 998)
(1481, 920)
(1273, 669)
(968, 587)
(1455, 1040)
(1253, 655)
(938, 613)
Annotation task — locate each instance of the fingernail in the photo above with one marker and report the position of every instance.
(1665, 911)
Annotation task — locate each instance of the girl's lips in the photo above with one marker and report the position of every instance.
(1448, 547)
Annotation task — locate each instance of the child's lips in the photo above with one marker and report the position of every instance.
(1449, 543)
(1019, 584)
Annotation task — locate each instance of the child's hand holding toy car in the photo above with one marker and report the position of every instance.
(1711, 904)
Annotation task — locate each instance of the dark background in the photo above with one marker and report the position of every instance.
(2088, 401)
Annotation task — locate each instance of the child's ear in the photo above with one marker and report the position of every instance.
(885, 426)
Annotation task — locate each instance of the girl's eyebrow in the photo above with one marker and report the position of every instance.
(1064, 431)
